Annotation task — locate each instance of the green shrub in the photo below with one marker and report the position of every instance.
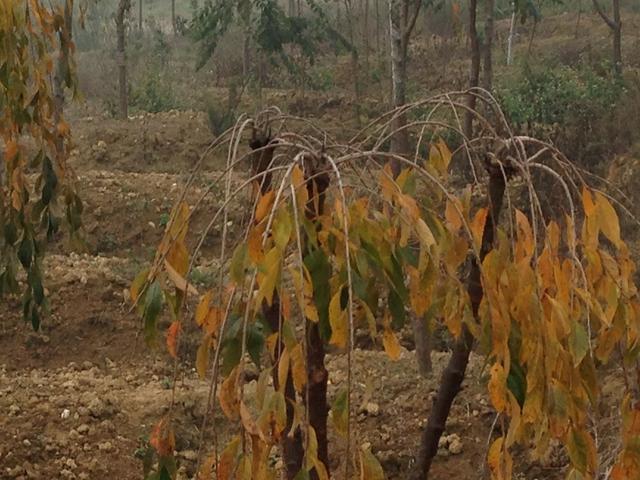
(153, 94)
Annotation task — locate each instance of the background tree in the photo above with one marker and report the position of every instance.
(121, 35)
(403, 15)
(615, 25)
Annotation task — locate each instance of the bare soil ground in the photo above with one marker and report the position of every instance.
(77, 397)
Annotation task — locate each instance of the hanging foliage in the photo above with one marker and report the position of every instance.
(35, 138)
(547, 301)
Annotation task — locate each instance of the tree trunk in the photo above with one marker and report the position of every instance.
(378, 49)
(62, 73)
(487, 83)
(173, 17)
(453, 375)
(400, 139)
(615, 26)
(317, 374)
(355, 62)
(292, 445)
(140, 16)
(617, 38)
(292, 8)
(474, 73)
(512, 33)
(365, 35)
(123, 8)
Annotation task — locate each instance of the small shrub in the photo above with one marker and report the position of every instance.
(153, 94)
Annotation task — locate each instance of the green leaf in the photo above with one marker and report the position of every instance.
(340, 412)
(255, 341)
(231, 353)
(396, 306)
(578, 343)
(319, 268)
(282, 228)
(239, 263)
(152, 308)
(25, 252)
(517, 382)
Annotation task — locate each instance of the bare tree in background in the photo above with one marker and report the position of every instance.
(402, 20)
(487, 79)
(615, 25)
(474, 72)
(123, 9)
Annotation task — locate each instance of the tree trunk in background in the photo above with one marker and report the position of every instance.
(62, 73)
(140, 15)
(365, 35)
(615, 26)
(292, 8)
(378, 49)
(512, 33)
(355, 63)
(487, 79)
(173, 17)
(474, 73)
(123, 8)
(400, 139)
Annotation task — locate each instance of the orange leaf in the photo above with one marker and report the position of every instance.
(588, 203)
(497, 387)
(391, 344)
(228, 395)
(162, 438)
(264, 205)
(477, 226)
(452, 214)
(203, 308)
(172, 338)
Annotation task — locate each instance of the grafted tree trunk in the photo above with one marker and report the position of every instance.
(62, 74)
(292, 445)
(474, 72)
(487, 79)
(453, 375)
(123, 8)
(615, 25)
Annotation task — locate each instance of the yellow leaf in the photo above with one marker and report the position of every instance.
(228, 395)
(525, 246)
(477, 226)
(409, 206)
(268, 276)
(500, 461)
(203, 308)
(172, 338)
(264, 205)
(497, 387)
(440, 157)
(389, 187)
(228, 460)
(178, 280)
(283, 369)
(338, 321)
(424, 234)
(298, 182)
(178, 258)
(137, 284)
(391, 344)
(202, 356)
(608, 220)
(370, 468)
(588, 203)
(452, 215)
(298, 368)
(254, 244)
(248, 422)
